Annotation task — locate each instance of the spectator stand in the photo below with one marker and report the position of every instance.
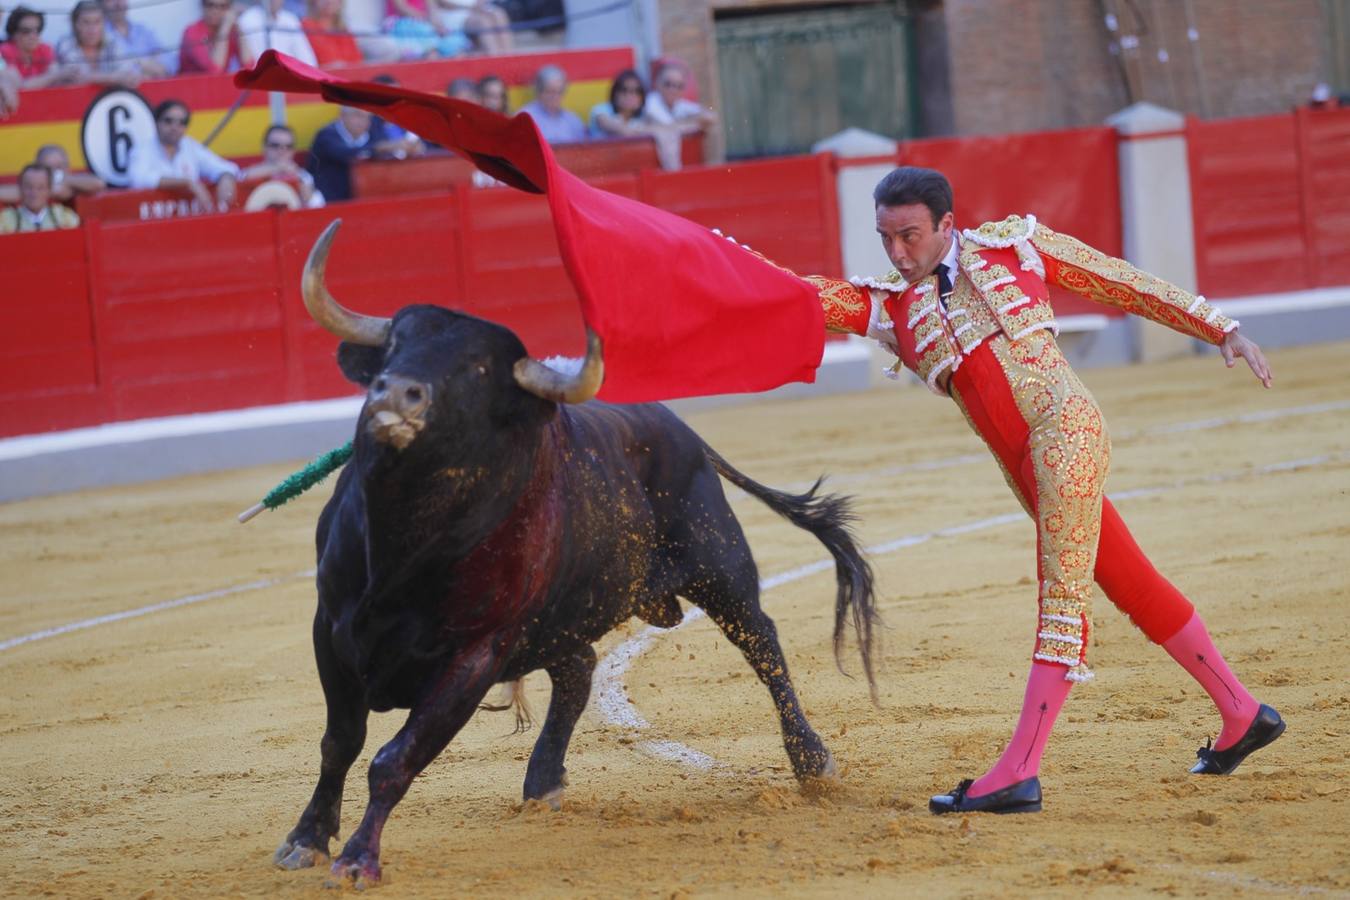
(54, 115)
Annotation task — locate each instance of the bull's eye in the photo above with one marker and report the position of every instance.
(481, 369)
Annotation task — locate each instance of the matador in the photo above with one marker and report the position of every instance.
(969, 313)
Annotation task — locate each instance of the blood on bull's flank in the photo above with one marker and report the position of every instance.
(494, 520)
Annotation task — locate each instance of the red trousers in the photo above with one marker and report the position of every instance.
(984, 385)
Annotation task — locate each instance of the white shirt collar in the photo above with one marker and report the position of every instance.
(952, 252)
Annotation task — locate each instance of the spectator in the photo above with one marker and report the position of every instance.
(65, 183)
(353, 136)
(667, 105)
(464, 89)
(135, 42)
(88, 56)
(394, 141)
(492, 94)
(211, 44)
(268, 26)
(9, 90)
(176, 162)
(484, 22)
(1323, 98)
(557, 125)
(623, 117)
(35, 211)
(419, 35)
(334, 46)
(32, 60)
(278, 164)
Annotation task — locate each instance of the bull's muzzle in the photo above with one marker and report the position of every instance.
(397, 408)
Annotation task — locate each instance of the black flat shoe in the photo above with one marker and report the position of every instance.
(1022, 797)
(1266, 727)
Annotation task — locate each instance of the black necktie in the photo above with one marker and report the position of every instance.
(944, 284)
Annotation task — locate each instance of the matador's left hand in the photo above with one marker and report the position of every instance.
(1235, 345)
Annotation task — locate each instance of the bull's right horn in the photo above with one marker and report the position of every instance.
(352, 327)
(550, 384)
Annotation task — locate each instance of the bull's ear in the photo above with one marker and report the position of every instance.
(360, 363)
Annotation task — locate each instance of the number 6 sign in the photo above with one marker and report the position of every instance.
(114, 123)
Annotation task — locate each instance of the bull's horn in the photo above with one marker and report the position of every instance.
(350, 326)
(550, 384)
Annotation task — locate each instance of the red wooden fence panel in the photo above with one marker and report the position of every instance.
(1246, 206)
(1068, 179)
(786, 209)
(513, 273)
(49, 374)
(188, 314)
(1324, 154)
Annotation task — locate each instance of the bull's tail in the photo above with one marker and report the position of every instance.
(829, 517)
(513, 698)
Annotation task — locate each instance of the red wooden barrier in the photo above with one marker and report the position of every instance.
(50, 375)
(188, 314)
(1246, 206)
(1324, 157)
(1069, 179)
(786, 209)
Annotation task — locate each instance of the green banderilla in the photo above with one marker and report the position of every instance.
(297, 483)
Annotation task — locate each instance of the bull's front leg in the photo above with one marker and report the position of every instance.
(343, 739)
(435, 719)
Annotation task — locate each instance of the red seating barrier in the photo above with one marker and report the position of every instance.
(442, 171)
(135, 319)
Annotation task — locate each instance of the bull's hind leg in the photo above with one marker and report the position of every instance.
(571, 678)
(731, 599)
(342, 742)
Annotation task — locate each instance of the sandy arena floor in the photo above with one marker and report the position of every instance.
(166, 755)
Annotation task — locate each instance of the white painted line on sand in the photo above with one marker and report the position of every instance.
(610, 697)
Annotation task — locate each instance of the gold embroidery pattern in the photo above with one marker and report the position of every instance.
(1116, 283)
(846, 307)
(1070, 454)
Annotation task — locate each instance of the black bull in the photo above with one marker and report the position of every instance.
(482, 531)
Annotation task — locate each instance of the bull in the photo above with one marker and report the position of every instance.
(493, 521)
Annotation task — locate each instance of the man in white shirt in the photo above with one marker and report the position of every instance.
(667, 104)
(176, 162)
(269, 26)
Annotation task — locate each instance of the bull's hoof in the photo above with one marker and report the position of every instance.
(360, 872)
(822, 782)
(553, 798)
(294, 855)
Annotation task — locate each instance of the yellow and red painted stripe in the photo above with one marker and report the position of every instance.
(54, 115)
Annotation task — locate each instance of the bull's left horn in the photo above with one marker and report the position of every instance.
(350, 326)
(550, 384)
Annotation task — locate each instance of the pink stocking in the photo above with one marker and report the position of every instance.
(1047, 689)
(1192, 648)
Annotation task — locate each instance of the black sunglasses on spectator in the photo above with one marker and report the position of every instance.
(274, 145)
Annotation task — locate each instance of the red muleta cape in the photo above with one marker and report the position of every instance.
(682, 312)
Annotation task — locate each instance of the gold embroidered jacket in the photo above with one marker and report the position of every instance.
(1005, 269)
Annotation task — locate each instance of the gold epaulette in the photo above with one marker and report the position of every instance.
(1007, 233)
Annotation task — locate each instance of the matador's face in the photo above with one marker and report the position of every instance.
(912, 242)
